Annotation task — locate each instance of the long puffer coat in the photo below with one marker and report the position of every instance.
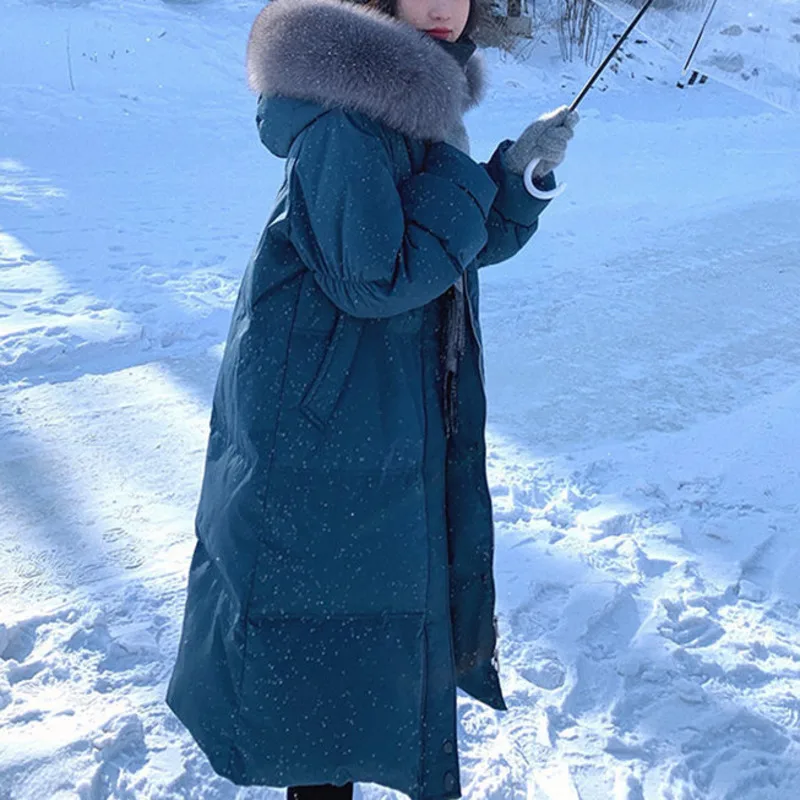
(341, 587)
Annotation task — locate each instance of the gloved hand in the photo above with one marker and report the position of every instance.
(546, 138)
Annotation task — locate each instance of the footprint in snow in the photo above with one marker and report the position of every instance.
(24, 672)
(740, 757)
(609, 632)
(544, 669)
(120, 751)
(541, 613)
(694, 631)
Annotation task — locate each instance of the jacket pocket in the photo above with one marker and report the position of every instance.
(323, 393)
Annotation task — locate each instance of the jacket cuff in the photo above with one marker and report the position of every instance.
(449, 162)
(513, 201)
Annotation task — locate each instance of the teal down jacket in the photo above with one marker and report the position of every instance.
(341, 586)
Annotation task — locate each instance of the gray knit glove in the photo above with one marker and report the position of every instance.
(546, 138)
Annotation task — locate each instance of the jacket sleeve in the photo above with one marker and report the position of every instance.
(378, 248)
(514, 216)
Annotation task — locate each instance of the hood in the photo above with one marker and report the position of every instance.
(306, 56)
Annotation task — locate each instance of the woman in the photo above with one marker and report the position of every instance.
(341, 587)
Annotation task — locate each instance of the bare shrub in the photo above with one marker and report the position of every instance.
(495, 30)
(578, 29)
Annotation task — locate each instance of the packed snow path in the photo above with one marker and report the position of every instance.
(643, 364)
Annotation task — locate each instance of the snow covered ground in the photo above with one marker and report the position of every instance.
(643, 359)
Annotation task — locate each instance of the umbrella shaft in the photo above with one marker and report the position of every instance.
(607, 60)
(700, 36)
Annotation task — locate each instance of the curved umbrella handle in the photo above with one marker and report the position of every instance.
(540, 194)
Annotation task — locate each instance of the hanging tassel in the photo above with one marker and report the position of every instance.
(496, 652)
(455, 345)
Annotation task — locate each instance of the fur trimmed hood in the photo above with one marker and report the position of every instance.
(341, 54)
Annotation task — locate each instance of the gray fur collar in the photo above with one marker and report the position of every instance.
(341, 54)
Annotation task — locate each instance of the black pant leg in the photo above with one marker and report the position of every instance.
(326, 791)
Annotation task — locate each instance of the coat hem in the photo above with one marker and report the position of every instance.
(221, 766)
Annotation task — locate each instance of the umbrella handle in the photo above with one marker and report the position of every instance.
(543, 194)
(540, 194)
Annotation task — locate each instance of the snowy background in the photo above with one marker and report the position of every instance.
(643, 359)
